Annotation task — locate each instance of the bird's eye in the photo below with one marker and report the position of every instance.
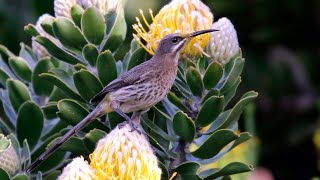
(175, 40)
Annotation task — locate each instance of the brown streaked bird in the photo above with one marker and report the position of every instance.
(136, 90)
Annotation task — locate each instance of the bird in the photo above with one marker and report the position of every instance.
(135, 91)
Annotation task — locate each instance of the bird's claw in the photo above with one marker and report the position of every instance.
(134, 127)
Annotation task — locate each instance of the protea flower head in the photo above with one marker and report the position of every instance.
(9, 160)
(78, 169)
(182, 16)
(125, 154)
(38, 49)
(224, 43)
(63, 7)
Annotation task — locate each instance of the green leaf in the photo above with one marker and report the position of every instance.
(21, 68)
(5, 53)
(177, 101)
(87, 84)
(76, 14)
(15, 144)
(107, 68)
(232, 168)
(90, 53)
(116, 29)
(4, 143)
(31, 30)
(188, 170)
(29, 123)
(72, 112)
(4, 175)
(155, 128)
(184, 126)
(28, 55)
(212, 75)
(230, 93)
(138, 57)
(41, 86)
(234, 73)
(212, 92)
(18, 93)
(213, 144)
(91, 139)
(63, 81)
(69, 34)
(164, 171)
(210, 110)
(238, 108)
(3, 77)
(26, 154)
(52, 176)
(202, 64)
(242, 138)
(50, 110)
(46, 25)
(115, 119)
(74, 144)
(93, 25)
(194, 81)
(79, 67)
(56, 52)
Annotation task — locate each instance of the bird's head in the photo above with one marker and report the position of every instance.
(173, 43)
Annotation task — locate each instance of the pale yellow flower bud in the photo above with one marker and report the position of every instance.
(182, 16)
(38, 49)
(104, 6)
(224, 43)
(62, 7)
(78, 169)
(9, 160)
(124, 154)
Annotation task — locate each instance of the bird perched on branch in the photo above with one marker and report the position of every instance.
(136, 90)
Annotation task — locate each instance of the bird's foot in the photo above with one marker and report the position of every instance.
(134, 127)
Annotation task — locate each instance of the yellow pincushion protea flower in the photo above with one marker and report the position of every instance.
(182, 16)
(124, 155)
(224, 43)
(78, 169)
(9, 160)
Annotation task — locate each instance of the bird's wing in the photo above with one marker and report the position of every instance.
(133, 76)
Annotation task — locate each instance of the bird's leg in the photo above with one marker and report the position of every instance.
(115, 106)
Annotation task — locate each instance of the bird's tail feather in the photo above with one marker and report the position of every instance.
(99, 111)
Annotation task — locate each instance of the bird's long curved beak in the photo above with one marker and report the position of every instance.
(197, 33)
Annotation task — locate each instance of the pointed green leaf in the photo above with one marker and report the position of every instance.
(134, 45)
(72, 112)
(238, 108)
(29, 123)
(63, 81)
(76, 13)
(242, 138)
(212, 92)
(164, 171)
(21, 177)
(4, 174)
(41, 86)
(56, 51)
(116, 30)
(18, 93)
(3, 77)
(56, 95)
(27, 54)
(87, 84)
(177, 101)
(90, 53)
(188, 170)
(21, 68)
(93, 25)
(107, 68)
(202, 64)
(184, 126)
(210, 110)
(230, 169)
(69, 34)
(194, 81)
(138, 57)
(5, 53)
(213, 144)
(46, 25)
(212, 75)
(156, 129)
(234, 73)
(91, 139)
(31, 30)
(79, 67)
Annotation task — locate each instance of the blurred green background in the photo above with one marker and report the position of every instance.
(280, 41)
